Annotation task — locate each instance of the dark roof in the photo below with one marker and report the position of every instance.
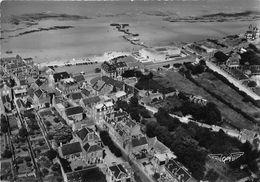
(85, 92)
(20, 103)
(76, 96)
(71, 148)
(139, 141)
(92, 148)
(61, 75)
(91, 100)
(79, 78)
(83, 133)
(111, 81)
(74, 110)
(108, 67)
(23, 82)
(5, 99)
(38, 93)
(220, 56)
(117, 170)
(39, 82)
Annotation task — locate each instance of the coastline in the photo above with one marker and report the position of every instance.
(93, 59)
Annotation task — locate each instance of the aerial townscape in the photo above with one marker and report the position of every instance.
(151, 113)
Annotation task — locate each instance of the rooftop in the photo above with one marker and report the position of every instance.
(118, 171)
(89, 148)
(61, 75)
(71, 148)
(74, 110)
(139, 141)
(91, 100)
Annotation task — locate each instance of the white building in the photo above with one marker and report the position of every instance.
(160, 54)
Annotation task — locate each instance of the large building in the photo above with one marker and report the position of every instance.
(160, 54)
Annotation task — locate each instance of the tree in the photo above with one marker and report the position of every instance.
(56, 167)
(97, 70)
(150, 128)
(45, 171)
(211, 175)
(7, 153)
(23, 132)
(4, 124)
(51, 154)
(252, 84)
(134, 102)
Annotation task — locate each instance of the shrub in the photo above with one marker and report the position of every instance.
(7, 154)
(27, 158)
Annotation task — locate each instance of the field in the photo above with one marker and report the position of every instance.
(179, 82)
(217, 86)
(90, 68)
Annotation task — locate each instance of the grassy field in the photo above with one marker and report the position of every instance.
(88, 69)
(217, 86)
(179, 82)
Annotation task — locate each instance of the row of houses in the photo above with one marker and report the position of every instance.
(152, 156)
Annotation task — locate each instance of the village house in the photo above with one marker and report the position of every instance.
(93, 152)
(197, 99)
(14, 64)
(252, 33)
(40, 83)
(79, 79)
(175, 173)
(120, 173)
(74, 113)
(20, 91)
(75, 96)
(234, 60)
(60, 76)
(139, 145)
(250, 136)
(120, 95)
(113, 68)
(6, 90)
(124, 130)
(41, 99)
(68, 85)
(7, 102)
(115, 116)
(100, 109)
(71, 151)
(21, 105)
(85, 92)
(86, 134)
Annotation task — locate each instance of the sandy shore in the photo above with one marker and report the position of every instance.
(106, 57)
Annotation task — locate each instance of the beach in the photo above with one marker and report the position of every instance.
(89, 34)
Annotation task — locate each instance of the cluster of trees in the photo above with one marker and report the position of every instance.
(7, 153)
(61, 135)
(51, 154)
(192, 143)
(181, 143)
(135, 110)
(33, 125)
(208, 113)
(250, 57)
(23, 133)
(4, 124)
(196, 69)
(106, 139)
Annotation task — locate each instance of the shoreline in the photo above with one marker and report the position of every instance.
(105, 57)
